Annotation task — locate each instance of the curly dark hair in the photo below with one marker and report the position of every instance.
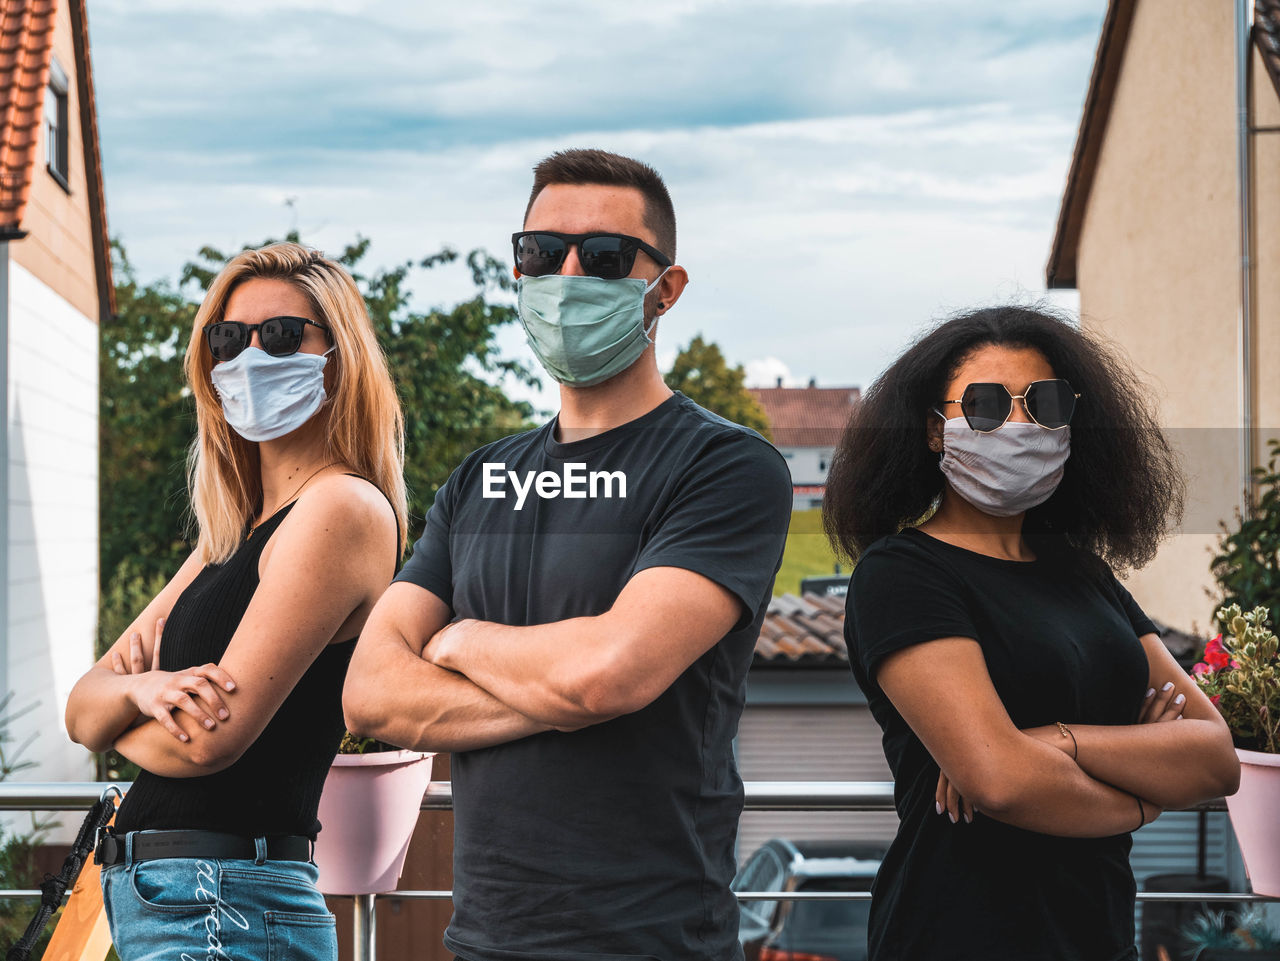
(1122, 486)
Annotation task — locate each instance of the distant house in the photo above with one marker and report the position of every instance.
(806, 423)
(1149, 232)
(55, 289)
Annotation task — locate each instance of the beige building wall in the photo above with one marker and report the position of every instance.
(1266, 256)
(58, 248)
(1157, 269)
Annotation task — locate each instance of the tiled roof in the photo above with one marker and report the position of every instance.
(1266, 34)
(26, 39)
(802, 632)
(806, 416)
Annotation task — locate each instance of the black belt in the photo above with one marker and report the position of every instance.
(199, 844)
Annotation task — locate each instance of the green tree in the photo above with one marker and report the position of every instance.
(145, 421)
(702, 374)
(442, 360)
(1247, 565)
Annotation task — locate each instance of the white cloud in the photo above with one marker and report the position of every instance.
(769, 372)
(842, 173)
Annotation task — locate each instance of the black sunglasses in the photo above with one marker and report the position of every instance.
(986, 407)
(604, 255)
(280, 336)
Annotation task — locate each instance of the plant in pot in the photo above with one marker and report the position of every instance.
(367, 814)
(1214, 936)
(1241, 675)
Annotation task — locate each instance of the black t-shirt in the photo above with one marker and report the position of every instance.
(1060, 638)
(615, 841)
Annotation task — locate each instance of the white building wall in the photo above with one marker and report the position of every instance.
(53, 520)
(808, 466)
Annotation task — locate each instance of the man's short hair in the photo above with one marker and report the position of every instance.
(583, 166)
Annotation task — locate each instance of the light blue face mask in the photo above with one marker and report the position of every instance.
(584, 330)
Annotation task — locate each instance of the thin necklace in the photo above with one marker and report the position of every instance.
(266, 516)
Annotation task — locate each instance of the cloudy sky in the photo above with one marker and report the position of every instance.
(842, 171)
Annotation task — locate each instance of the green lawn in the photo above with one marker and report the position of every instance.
(807, 553)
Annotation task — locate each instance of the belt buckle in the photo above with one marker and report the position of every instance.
(105, 848)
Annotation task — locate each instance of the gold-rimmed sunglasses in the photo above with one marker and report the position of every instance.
(986, 407)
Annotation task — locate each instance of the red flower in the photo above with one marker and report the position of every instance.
(1201, 668)
(1215, 698)
(1215, 655)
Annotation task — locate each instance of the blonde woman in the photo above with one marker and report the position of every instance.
(226, 690)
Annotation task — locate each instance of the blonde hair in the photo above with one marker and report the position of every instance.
(365, 428)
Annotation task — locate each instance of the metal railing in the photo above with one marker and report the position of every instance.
(760, 796)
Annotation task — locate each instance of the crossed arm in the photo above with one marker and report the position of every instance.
(327, 563)
(420, 682)
(1029, 778)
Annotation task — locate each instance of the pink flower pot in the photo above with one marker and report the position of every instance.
(368, 811)
(1253, 815)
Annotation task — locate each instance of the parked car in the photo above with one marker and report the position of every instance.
(807, 930)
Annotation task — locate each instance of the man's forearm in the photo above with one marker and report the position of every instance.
(407, 701)
(1175, 764)
(551, 672)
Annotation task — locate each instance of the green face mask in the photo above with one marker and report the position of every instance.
(584, 330)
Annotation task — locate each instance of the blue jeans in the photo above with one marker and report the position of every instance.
(197, 909)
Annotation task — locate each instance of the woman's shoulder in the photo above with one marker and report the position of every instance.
(346, 506)
(908, 554)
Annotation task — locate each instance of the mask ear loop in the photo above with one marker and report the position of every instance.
(648, 328)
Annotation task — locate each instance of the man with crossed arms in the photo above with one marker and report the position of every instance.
(584, 654)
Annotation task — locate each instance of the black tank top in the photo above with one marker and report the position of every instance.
(274, 787)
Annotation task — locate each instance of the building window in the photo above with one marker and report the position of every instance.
(55, 125)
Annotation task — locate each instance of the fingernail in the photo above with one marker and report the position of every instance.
(184, 737)
(938, 806)
(231, 685)
(208, 723)
(952, 816)
(160, 622)
(1178, 718)
(968, 819)
(1167, 686)
(1179, 699)
(1151, 691)
(222, 714)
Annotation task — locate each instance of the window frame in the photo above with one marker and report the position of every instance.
(57, 129)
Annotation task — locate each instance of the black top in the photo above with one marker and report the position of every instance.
(1060, 638)
(615, 841)
(274, 787)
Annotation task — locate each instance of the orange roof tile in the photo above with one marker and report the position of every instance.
(802, 632)
(26, 40)
(806, 416)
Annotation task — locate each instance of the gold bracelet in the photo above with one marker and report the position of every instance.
(1066, 732)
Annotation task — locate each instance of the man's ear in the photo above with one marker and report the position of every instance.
(670, 287)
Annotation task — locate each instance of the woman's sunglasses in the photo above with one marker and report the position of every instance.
(280, 336)
(986, 407)
(603, 255)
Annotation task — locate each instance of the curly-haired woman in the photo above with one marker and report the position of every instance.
(987, 486)
(226, 690)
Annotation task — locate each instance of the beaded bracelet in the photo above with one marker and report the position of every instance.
(1066, 732)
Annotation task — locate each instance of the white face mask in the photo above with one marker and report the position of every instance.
(265, 397)
(1005, 471)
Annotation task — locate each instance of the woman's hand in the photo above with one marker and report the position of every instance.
(947, 800)
(156, 693)
(1162, 705)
